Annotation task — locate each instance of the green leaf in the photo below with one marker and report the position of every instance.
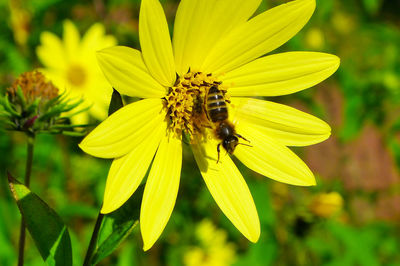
(115, 103)
(45, 226)
(117, 226)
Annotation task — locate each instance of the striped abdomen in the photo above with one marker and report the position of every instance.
(216, 105)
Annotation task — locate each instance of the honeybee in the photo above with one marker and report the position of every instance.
(217, 113)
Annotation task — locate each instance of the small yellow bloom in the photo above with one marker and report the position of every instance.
(214, 42)
(20, 20)
(214, 250)
(71, 64)
(315, 38)
(326, 204)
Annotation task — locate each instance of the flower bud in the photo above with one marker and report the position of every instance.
(32, 104)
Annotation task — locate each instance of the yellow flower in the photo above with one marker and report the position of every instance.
(213, 42)
(20, 20)
(214, 250)
(326, 204)
(71, 64)
(315, 38)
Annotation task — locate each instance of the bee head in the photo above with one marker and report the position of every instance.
(230, 144)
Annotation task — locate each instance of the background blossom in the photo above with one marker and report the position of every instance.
(71, 64)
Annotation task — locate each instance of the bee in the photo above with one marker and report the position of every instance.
(217, 112)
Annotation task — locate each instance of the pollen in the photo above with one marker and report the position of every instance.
(185, 103)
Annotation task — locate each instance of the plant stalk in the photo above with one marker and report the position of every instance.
(27, 181)
(93, 240)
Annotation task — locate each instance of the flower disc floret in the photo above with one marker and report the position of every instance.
(185, 102)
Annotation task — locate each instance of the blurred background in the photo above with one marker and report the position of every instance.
(351, 217)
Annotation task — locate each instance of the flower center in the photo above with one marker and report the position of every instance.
(185, 102)
(33, 85)
(76, 75)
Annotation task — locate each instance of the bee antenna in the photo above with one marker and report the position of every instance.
(242, 138)
(248, 145)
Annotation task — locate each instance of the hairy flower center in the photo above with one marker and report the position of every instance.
(76, 75)
(185, 102)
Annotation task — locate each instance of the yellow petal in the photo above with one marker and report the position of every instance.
(71, 39)
(199, 24)
(127, 172)
(51, 51)
(228, 188)
(56, 77)
(259, 36)
(124, 129)
(156, 42)
(125, 70)
(281, 74)
(95, 39)
(288, 125)
(270, 158)
(161, 190)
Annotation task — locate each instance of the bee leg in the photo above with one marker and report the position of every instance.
(207, 126)
(205, 111)
(195, 127)
(218, 150)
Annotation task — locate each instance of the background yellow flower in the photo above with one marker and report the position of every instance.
(71, 64)
(213, 248)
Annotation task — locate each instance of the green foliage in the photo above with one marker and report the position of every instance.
(45, 226)
(116, 226)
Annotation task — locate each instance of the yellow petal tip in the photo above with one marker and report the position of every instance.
(146, 247)
(105, 209)
(255, 237)
(147, 242)
(82, 145)
(337, 62)
(311, 182)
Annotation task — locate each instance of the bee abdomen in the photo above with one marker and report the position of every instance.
(216, 106)
(218, 114)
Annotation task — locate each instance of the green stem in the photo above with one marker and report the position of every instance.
(28, 170)
(93, 240)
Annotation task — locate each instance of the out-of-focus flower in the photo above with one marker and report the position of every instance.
(343, 23)
(391, 80)
(214, 57)
(213, 249)
(315, 38)
(20, 22)
(71, 64)
(32, 104)
(326, 205)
